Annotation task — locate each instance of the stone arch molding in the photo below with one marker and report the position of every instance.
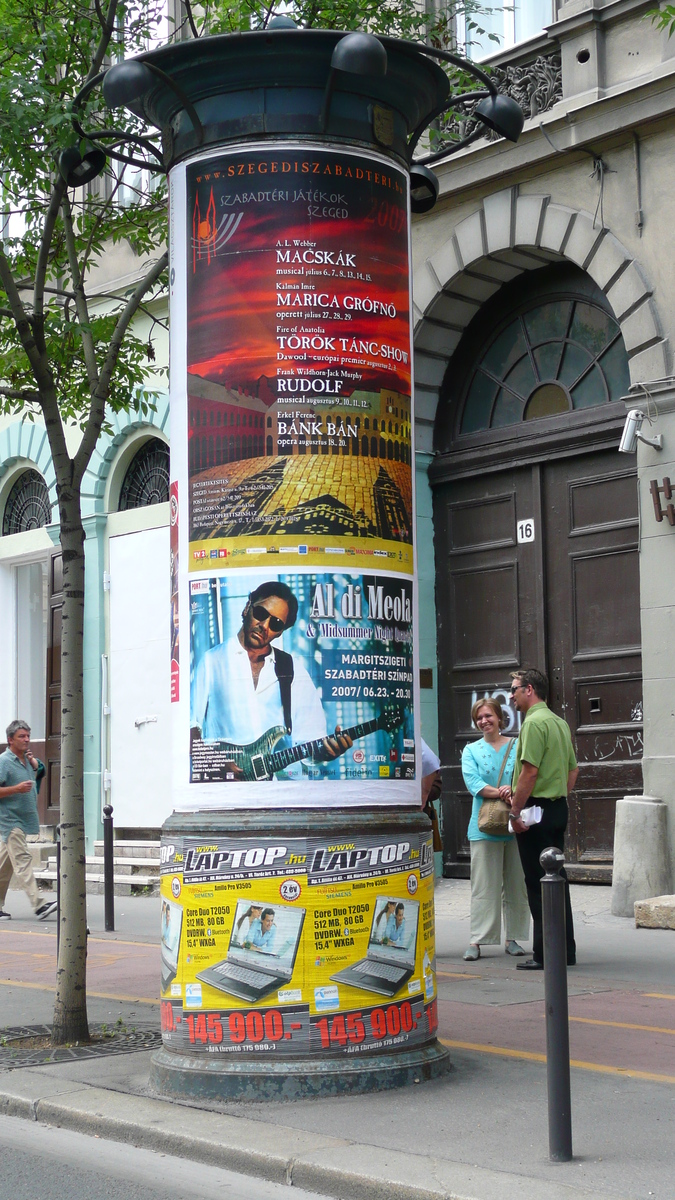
(27, 441)
(509, 234)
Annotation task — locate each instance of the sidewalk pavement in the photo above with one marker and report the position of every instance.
(480, 1133)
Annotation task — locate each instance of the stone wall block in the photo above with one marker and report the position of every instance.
(609, 258)
(629, 289)
(498, 209)
(470, 240)
(445, 263)
(557, 221)
(640, 328)
(528, 219)
(652, 363)
(641, 855)
(429, 371)
(425, 287)
(436, 338)
(656, 913)
(424, 438)
(426, 403)
(583, 238)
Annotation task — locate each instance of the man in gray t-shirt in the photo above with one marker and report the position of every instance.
(20, 777)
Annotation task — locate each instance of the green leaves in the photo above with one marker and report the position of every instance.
(55, 253)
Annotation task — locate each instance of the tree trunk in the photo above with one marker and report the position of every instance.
(70, 1007)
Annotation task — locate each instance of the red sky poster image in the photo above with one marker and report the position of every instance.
(299, 360)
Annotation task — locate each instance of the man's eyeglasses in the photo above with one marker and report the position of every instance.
(261, 614)
(516, 688)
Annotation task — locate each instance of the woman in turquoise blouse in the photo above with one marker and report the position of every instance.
(497, 880)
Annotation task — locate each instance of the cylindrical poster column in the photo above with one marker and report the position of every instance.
(297, 947)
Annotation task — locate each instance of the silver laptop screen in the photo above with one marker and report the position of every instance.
(265, 936)
(393, 934)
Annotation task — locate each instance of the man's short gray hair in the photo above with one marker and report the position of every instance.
(14, 727)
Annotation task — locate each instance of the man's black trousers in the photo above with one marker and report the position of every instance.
(549, 832)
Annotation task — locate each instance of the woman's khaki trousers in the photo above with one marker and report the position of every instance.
(497, 885)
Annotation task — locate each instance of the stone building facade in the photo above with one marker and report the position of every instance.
(543, 301)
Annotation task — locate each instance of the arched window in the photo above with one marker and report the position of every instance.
(27, 505)
(147, 478)
(364, 445)
(270, 446)
(543, 347)
(373, 447)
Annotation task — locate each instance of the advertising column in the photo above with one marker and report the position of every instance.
(292, 450)
(297, 948)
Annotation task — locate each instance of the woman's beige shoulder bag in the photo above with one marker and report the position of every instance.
(493, 817)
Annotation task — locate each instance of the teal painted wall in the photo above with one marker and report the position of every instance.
(426, 574)
(27, 439)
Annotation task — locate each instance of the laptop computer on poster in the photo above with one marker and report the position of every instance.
(392, 946)
(262, 951)
(172, 923)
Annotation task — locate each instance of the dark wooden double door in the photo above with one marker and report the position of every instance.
(566, 601)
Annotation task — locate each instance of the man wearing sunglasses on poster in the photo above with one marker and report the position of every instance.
(246, 685)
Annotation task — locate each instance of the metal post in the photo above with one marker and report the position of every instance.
(58, 889)
(108, 877)
(557, 1022)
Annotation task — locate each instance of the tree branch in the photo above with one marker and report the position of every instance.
(100, 396)
(22, 321)
(18, 394)
(58, 192)
(81, 307)
(107, 29)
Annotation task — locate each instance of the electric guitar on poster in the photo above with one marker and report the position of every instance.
(260, 760)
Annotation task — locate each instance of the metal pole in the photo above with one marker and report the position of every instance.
(58, 889)
(108, 879)
(557, 1021)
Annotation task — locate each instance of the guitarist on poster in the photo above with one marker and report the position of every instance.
(245, 686)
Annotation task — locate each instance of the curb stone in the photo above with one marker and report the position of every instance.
(279, 1154)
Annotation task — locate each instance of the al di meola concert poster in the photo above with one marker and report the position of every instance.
(350, 652)
(291, 381)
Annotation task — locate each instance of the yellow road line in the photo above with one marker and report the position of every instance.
(533, 1057)
(623, 1025)
(457, 975)
(659, 995)
(42, 987)
(32, 933)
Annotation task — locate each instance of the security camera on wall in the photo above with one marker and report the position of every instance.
(631, 434)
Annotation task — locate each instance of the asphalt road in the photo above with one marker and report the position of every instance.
(39, 1160)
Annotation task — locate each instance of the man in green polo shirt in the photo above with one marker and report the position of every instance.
(545, 773)
(20, 775)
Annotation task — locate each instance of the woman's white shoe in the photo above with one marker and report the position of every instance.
(514, 949)
(472, 953)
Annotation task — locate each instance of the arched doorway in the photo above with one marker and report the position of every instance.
(536, 527)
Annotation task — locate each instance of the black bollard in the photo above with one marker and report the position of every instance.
(108, 869)
(58, 889)
(557, 1021)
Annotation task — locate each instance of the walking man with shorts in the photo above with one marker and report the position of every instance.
(545, 772)
(20, 773)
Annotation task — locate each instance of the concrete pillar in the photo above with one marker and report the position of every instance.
(641, 852)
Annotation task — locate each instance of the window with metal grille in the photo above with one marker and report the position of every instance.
(28, 505)
(147, 479)
(546, 346)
